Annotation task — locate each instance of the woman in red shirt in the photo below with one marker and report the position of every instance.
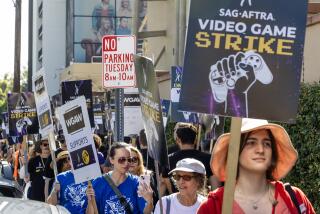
(266, 156)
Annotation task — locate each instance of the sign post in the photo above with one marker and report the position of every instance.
(118, 71)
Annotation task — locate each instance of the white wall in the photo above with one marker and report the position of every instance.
(54, 42)
(311, 71)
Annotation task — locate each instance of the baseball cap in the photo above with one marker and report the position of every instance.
(189, 165)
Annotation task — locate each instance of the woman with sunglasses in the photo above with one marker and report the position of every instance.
(190, 177)
(106, 199)
(137, 168)
(65, 191)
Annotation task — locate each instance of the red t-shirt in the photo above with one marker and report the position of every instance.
(214, 202)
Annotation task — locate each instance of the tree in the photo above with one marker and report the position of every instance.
(6, 85)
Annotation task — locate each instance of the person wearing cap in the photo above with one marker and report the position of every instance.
(190, 177)
(63, 162)
(266, 156)
(65, 191)
(185, 137)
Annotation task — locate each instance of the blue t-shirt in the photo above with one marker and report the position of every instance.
(108, 202)
(72, 196)
(101, 158)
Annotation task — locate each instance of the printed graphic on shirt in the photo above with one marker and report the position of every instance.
(76, 194)
(113, 206)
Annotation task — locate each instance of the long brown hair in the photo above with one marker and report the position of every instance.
(274, 157)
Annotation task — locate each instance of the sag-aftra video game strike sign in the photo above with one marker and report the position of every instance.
(243, 58)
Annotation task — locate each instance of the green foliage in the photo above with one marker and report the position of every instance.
(5, 86)
(305, 136)
(169, 133)
(24, 80)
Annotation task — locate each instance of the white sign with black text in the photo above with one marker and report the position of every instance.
(42, 103)
(77, 131)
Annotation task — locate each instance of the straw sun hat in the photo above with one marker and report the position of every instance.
(287, 155)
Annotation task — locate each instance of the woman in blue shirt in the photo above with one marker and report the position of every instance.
(106, 199)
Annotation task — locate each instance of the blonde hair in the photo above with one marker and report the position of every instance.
(141, 169)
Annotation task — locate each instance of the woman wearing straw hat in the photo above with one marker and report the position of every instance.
(190, 176)
(266, 156)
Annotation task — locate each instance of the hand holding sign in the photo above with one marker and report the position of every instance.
(227, 73)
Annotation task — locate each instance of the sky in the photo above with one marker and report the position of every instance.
(7, 22)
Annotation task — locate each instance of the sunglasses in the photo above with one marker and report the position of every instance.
(66, 160)
(122, 160)
(134, 160)
(45, 144)
(184, 177)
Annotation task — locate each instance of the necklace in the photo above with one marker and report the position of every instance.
(255, 202)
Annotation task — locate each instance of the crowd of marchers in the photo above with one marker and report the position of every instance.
(192, 183)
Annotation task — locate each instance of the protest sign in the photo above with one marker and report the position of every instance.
(151, 109)
(176, 82)
(42, 103)
(75, 123)
(244, 58)
(4, 125)
(117, 59)
(165, 104)
(132, 113)
(99, 122)
(72, 89)
(22, 114)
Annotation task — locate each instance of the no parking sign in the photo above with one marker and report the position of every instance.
(118, 64)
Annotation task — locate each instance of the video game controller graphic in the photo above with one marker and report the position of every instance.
(22, 124)
(225, 73)
(260, 68)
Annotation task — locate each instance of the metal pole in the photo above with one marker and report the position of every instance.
(182, 30)
(135, 18)
(176, 51)
(17, 47)
(120, 92)
(30, 25)
(119, 114)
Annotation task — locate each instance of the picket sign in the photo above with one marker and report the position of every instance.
(232, 163)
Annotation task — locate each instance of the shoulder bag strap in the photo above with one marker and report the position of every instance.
(168, 204)
(122, 200)
(292, 196)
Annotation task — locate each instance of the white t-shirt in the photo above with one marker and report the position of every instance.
(176, 206)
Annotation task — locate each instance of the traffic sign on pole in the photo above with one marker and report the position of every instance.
(118, 63)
